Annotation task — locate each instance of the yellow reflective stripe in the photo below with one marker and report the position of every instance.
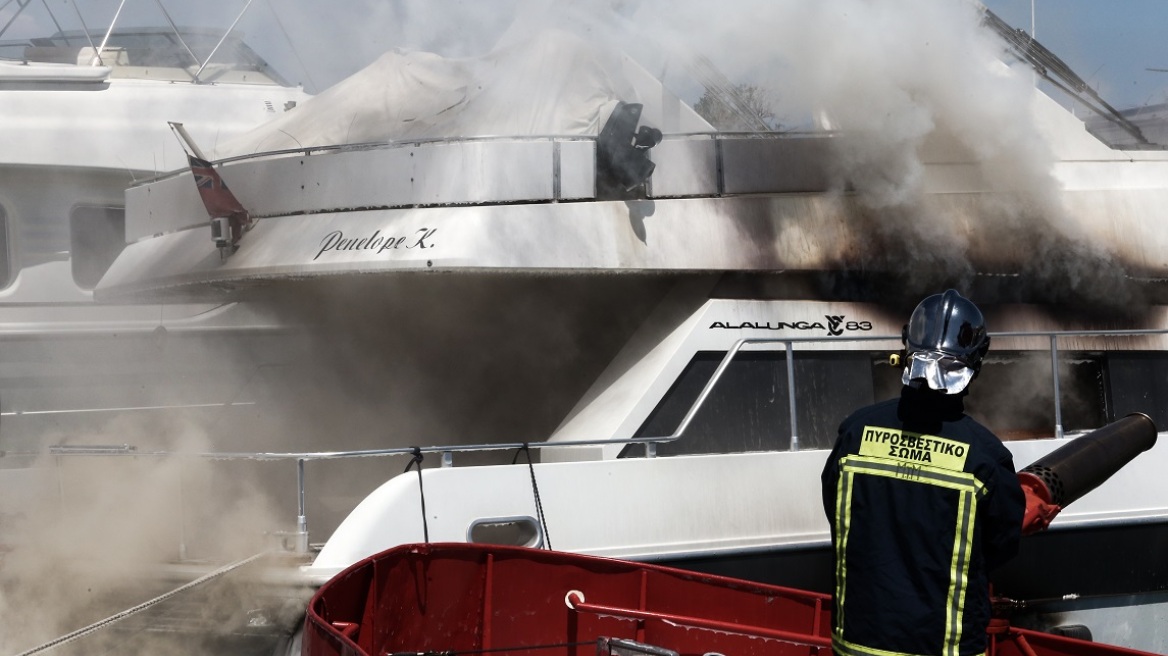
(843, 523)
(881, 442)
(959, 571)
(960, 481)
(845, 648)
(970, 489)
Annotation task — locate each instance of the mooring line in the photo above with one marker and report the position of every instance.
(69, 637)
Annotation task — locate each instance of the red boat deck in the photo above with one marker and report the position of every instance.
(464, 599)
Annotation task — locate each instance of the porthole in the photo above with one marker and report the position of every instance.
(510, 531)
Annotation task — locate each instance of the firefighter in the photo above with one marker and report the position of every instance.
(923, 500)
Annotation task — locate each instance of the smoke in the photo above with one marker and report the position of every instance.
(87, 535)
(909, 83)
(318, 44)
(436, 359)
(83, 537)
(1015, 391)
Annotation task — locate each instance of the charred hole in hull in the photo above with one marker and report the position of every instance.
(749, 409)
(623, 165)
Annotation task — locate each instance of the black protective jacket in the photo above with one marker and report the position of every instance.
(923, 501)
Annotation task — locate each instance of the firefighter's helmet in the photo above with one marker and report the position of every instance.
(944, 342)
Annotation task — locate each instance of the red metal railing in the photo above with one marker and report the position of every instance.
(795, 637)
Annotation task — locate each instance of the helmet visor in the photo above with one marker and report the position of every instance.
(939, 371)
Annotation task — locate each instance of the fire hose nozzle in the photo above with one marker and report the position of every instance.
(1040, 510)
(1061, 477)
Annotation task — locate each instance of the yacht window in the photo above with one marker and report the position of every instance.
(5, 252)
(748, 410)
(1138, 382)
(97, 236)
(156, 48)
(42, 241)
(1014, 394)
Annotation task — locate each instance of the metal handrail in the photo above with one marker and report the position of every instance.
(308, 151)
(424, 141)
(650, 443)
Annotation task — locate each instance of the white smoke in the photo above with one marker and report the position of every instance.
(905, 81)
(84, 543)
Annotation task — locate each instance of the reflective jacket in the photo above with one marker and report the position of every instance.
(923, 501)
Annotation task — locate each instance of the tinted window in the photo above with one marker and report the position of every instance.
(1138, 382)
(749, 408)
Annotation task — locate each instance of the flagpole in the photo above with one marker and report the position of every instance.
(184, 138)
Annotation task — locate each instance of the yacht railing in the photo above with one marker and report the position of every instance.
(510, 170)
(650, 443)
(487, 138)
(727, 150)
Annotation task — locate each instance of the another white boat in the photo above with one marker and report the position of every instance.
(85, 115)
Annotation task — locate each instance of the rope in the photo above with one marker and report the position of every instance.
(491, 649)
(417, 460)
(547, 538)
(69, 637)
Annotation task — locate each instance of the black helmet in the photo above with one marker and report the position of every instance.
(948, 324)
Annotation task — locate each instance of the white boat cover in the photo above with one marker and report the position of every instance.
(567, 87)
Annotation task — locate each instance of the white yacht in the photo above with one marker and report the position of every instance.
(85, 115)
(543, 253)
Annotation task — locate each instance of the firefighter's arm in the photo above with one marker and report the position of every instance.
(1005, 509)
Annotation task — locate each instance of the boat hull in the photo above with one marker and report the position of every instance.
(461, 598)
(458, 597)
